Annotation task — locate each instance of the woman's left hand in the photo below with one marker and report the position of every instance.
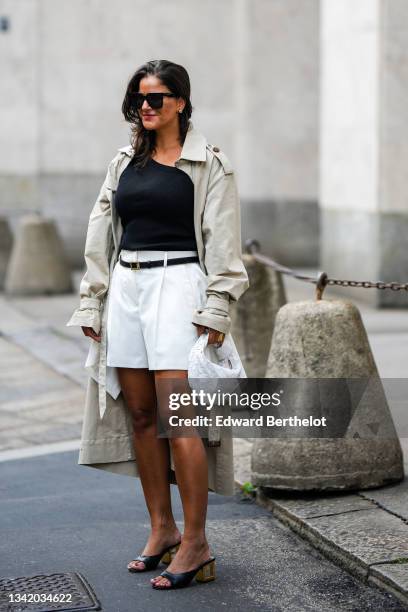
(215, 337)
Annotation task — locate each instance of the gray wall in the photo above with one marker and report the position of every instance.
(364, 143)
(279, 136)
(253, 66)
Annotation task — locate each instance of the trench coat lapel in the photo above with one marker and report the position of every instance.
(194, 146)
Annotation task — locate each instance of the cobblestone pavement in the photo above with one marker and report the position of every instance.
(42, 379)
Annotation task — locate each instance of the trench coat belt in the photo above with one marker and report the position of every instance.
(103, 347)
(102, 365)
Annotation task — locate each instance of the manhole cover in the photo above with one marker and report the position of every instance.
(46, 593)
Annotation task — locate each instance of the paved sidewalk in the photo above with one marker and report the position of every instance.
(42, 384)
(60, 517)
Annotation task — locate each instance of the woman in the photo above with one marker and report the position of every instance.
(170, 199)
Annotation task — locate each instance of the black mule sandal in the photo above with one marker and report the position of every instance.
(152, 561)
(203, 573)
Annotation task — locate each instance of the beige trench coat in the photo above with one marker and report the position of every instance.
(107, 428)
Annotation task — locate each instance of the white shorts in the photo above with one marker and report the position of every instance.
(150, 310)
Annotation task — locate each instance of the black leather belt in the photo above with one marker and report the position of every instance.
(136, 265)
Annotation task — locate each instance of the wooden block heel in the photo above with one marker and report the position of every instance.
(206, 573)
(170, 554)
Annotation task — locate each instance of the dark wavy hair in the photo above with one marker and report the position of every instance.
(176, 78)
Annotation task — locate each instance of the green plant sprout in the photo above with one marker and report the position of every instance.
(248, 488)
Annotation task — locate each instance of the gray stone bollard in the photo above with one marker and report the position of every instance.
(322, 350)
(6, 243)
(253, 316)
(38, 265)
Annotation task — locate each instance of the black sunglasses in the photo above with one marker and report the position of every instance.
(154, 100)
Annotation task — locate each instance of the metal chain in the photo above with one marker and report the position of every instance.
(369, 285)
(322, 280)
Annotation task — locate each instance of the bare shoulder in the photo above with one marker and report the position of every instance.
(215, 151)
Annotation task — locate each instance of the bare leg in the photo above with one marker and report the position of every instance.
(190, 462)
(152, 456)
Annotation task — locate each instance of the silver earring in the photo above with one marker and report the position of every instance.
(180, 110)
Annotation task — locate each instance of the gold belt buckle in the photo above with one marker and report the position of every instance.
(134, 265)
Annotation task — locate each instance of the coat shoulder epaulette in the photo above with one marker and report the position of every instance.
(128, 149)
(225, 162)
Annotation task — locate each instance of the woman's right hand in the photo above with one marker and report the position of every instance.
(214, 336)
(88, 331)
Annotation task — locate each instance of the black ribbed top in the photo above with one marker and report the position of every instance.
(156, 208)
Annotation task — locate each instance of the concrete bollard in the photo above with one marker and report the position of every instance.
(319, 348)
(6, 243)
(253, 316)
(38, 265)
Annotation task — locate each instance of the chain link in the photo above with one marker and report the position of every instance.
(252, 247)
(368, 284)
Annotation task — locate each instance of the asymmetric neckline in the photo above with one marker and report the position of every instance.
(163, 165)
(156, 206)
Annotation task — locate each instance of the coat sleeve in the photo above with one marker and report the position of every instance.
(98, 245)
(221, 230)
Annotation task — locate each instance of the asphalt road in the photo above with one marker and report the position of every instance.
(57, 516)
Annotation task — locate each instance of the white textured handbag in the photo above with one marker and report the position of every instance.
(212, 364)
(206, 361)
